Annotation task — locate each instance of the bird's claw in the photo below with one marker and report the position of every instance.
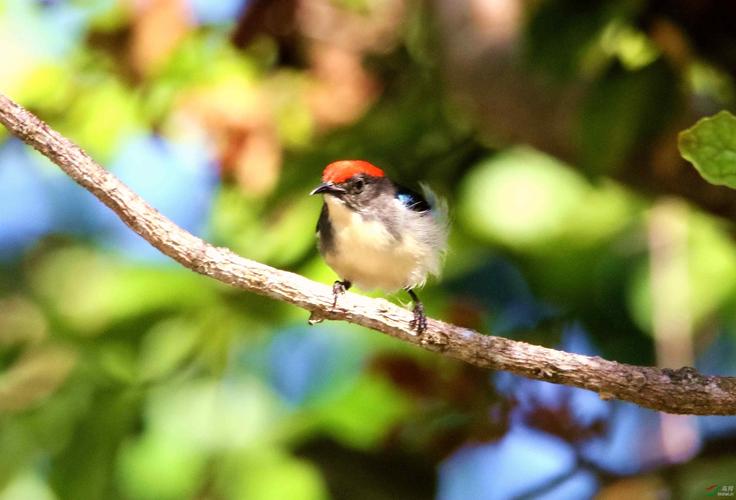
(419, 323)
(338, 288)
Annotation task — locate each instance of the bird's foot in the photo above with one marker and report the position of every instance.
(339, 288)
(419, 323)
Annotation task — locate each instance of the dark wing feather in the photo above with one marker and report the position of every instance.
(324, 230)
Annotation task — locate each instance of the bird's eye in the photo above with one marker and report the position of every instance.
(358, 185)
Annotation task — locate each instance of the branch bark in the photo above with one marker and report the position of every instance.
(682, 391)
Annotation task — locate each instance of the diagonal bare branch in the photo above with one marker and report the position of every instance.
(675, 391)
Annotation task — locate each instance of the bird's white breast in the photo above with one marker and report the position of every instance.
(368, 255)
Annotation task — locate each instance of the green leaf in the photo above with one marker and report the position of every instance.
(271, 474)
(521, 197)
(28, 485)
(159, 468)
(710, 145)
(346, 420)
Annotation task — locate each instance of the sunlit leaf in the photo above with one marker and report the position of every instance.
(710, 145)
(91, 291)
(165, 346)
(157, 468)
(346, 418)
(107, 114)
(520, 197)
(271, 475)
(27, 486)
(216, 416)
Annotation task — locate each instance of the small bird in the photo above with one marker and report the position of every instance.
(376, 234)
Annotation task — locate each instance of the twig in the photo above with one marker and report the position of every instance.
(674, 391)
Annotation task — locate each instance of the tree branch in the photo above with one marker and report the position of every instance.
(675, 391)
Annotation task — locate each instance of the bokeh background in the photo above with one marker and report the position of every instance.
(549, 125)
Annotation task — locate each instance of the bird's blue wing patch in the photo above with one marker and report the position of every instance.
(412, 200)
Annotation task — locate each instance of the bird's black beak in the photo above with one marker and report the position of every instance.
(328, 188)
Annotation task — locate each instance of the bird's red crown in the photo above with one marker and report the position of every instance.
(340, 171)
